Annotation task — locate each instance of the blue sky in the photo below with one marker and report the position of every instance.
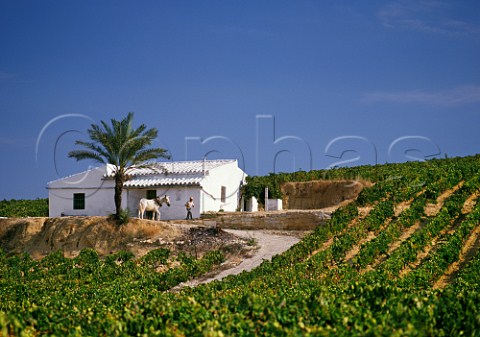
(278, 85)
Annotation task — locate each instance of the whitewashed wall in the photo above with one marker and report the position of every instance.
(251, 205)
(98, 194)
(229, 176)
(274, 204)
(178, 197)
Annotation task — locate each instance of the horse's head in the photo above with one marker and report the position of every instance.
(166, 200)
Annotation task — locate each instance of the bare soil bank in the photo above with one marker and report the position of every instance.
(319, 194)
(42, 236)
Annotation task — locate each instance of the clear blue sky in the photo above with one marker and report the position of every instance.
(279, 85)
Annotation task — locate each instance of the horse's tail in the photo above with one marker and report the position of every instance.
(140, 209)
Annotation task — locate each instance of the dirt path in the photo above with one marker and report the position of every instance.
(469, 250)
(270, 243)
(433, 209)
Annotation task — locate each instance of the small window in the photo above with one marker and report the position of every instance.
(78, 200)
(223, 195)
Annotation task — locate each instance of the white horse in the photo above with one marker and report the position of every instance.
(152, 205)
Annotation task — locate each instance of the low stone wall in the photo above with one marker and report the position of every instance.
(275, 220)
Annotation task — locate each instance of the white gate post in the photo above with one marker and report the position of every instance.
(266, 199)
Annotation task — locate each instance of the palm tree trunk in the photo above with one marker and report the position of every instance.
(118, 194)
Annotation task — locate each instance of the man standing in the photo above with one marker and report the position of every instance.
(189, 205)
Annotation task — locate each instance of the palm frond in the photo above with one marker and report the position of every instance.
(84, 154)
(149, 154)
(122, 146)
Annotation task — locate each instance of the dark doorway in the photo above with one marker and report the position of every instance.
(151, 194)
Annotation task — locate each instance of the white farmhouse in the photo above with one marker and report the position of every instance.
(213, 184)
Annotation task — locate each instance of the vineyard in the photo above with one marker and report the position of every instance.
(23, 208)
(401, 260)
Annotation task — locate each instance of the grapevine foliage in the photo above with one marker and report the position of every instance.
(23, 208)
(317, 288)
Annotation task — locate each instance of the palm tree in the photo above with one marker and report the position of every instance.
(121, 146)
